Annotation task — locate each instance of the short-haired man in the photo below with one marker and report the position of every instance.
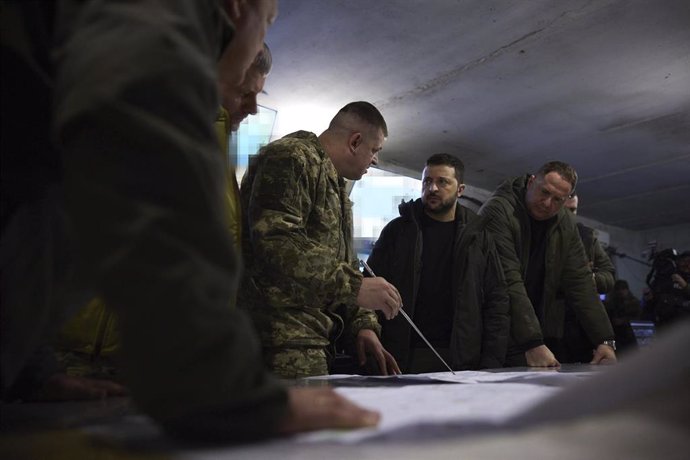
(303, 287)
(541, 253)
(240, 101)
(576, 347)
(603, 271)
(447, 269)
(237, 103)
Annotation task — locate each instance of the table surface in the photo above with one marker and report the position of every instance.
(647, 420)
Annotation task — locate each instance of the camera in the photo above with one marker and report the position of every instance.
(671, 301)
(663, 266)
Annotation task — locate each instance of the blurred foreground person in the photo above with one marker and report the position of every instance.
(109, 153)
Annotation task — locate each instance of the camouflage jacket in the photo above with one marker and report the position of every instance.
(301, 279)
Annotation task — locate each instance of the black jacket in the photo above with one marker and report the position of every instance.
(602, 267)
(480, 323)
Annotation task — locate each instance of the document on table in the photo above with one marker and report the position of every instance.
(437, 408)
(542, 377)
(419, 402)
(427, 406)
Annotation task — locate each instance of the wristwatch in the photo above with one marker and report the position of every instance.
(610, 343)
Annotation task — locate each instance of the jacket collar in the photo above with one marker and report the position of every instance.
(413, 210)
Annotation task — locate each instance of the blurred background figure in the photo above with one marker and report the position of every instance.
(622, 307)
(668, 280)
(576, 345)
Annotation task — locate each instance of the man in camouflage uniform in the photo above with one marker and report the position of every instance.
(302, 286)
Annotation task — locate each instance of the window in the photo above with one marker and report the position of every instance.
(375, 203)
(254, 132)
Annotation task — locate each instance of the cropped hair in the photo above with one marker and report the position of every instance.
(263, 61)
(364, 111)
(566, 171)
(445, 159)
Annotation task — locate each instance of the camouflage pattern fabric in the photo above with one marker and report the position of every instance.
(295, 363)
(297, 244)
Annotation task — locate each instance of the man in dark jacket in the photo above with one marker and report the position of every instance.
(541, 253)
(447, 270)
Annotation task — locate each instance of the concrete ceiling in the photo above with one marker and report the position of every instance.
(506, 85)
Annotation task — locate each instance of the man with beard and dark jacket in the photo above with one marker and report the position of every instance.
(447, 270)
(542, 254)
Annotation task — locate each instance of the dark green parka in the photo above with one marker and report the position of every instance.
(566, 264)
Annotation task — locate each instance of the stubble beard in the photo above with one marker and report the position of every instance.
(440, 210)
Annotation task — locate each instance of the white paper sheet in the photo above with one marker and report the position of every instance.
(470, 406)
(542, 377)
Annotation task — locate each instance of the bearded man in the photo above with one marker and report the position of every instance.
(447, 270)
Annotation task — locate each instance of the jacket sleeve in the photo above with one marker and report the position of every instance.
(495, 311)
(296, 267)
(379, 258)
(581, 293)
(524, 325)
(135, 103)
(604, 271)
(357, 318)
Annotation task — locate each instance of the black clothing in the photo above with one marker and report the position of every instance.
(536, 267)
(576, 346)
(479, 331)
(433, 313)
(621, 310)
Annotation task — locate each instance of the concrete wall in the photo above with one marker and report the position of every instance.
(677, 237)
(633, 249)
